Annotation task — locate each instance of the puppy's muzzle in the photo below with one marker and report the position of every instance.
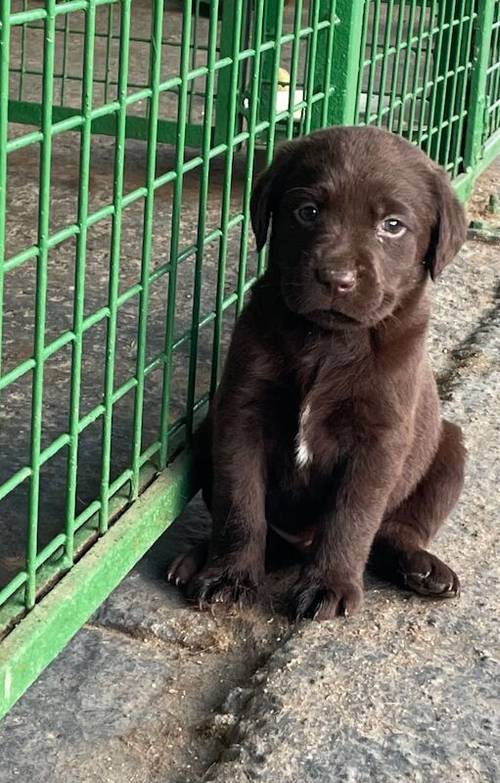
(336, 281)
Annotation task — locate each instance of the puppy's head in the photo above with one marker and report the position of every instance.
(359, 218)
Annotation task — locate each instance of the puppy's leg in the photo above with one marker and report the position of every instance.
(331, 583)
(184, 567)
(399, 551)
(236, 556)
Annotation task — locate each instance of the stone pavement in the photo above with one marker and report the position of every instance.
(407, 690)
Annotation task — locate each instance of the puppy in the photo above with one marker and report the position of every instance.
(326, 428)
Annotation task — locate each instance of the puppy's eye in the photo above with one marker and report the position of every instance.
(392, 227)
(307, 214)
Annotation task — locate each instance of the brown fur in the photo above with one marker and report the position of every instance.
(331, 353)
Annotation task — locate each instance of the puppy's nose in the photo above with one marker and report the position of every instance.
(340, 280)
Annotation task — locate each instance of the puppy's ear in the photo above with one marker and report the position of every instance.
(450, 228)
(266, 194)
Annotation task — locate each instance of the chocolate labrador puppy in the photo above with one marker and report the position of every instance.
(326, 428)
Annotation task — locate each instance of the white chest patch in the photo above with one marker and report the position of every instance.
(303, 454)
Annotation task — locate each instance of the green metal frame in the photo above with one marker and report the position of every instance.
(427, 69)
(32, 645)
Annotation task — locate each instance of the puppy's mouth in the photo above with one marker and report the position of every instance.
(343, 313)
(332, 316)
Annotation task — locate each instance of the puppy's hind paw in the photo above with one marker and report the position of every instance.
(427, 575)
(185, 566)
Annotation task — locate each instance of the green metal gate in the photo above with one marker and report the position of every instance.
(89, 91)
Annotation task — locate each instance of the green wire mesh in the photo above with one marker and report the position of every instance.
(27, 64)
(415, 73)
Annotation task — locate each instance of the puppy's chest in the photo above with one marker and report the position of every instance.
(323, 431)
(307, 426)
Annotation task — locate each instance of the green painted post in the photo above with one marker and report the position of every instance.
(80, 267)
(226, 77)
(270, 63)
(4, 131)
(115, 257)
(202, 218)
(444, 77)
(41, 299)
(226, 196)
(294, 70)
(182, 108)
(255, 82)
(272, 33)
(147, 237)
(310, 85)
(478, 98)
(275, 10)
(343, 103)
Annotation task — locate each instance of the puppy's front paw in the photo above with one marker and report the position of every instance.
(219, 585)
(314, 596)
